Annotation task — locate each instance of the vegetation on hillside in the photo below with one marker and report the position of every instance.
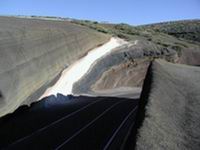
(165, 37)
(189, 29)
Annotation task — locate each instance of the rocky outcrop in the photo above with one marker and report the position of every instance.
(169, 116)
(33, 52)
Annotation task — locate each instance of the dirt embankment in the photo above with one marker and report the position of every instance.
(33, 52)
(169, 116)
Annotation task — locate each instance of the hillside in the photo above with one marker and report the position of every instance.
(98, 85)
(33, 52)
(127, 66)
(169, 116)
(188, 29)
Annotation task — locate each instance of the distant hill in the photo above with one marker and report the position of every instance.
(187, 29)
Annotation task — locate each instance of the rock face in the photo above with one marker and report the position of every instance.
(33, 52)
(169, 108)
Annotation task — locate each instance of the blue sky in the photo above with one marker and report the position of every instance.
(128, 11)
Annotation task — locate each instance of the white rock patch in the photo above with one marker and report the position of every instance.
(77, 70)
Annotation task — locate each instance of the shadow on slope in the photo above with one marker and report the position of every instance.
(131, 143)
(26, 121)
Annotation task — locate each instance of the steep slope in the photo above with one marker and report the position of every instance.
(170, 107)
(33, 52)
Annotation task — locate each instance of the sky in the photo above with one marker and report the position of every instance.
(134, 12)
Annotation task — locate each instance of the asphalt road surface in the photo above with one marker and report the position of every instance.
(70, 123)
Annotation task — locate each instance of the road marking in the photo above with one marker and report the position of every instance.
(118, 129)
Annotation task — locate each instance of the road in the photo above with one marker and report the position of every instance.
(70, 123)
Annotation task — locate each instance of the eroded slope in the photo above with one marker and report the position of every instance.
(33, 52)
(170, 104)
